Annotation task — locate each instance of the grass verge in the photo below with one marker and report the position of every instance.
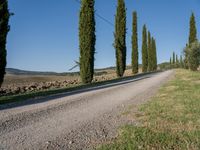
(171, 120)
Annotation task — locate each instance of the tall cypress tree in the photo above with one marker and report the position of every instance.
(150, 53)
(193, 30)
(192, 38)
(4, 29)
(144, 50)
(174, 59)
(186, 61)
(154, 53)
(181, 62)
(135, 45)
(120, 38)
(87, 40)
(177, 61)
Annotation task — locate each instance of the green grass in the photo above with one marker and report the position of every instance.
(39, 94)
(171, 120)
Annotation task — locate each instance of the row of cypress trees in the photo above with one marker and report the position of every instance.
(176, 62)
(87, 42)
(191, 59)
(149, 51)
(4, 29)
(144, 50)
(152, 57)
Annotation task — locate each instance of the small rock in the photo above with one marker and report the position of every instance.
(71, 142)
(48, 142)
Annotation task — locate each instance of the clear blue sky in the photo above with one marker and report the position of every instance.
(44, 33)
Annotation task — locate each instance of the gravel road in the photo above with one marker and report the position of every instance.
(74, 120)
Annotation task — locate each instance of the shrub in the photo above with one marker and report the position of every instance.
(193, 53)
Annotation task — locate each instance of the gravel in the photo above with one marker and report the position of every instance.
(75, 121)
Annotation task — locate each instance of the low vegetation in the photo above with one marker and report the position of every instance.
(57, 88)
(21, 82)
(193, 55)
(169, 121)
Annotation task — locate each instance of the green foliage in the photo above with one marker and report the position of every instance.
(164, 66)
(154, 53)
(192, 39)
(150, 52)
(177, 61)
(120, 38)
(193, 55)
(193, 30)
(181, 62)
(135, 65)
(174, 59)
(144, 50)
(4, 29)
(87, 40)
(186, 64)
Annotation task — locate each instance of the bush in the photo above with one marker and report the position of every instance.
(193, 55)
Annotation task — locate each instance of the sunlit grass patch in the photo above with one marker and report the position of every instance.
(171, 120)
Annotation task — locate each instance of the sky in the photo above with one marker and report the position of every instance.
(44, 33)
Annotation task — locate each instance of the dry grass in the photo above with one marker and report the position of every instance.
(71, 83)
(170, 121)
(23, 80)
(28, 79)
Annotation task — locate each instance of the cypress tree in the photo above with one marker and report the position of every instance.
(186, 61)
(194, 56)
(154, 52)
(181, 62)
(150, 53)
(87, 40)
(120, 38)
(177, 61)
(4, 29)
(170, 61)
(193, 30)
(192, 38)
(174, 59)
(135, 45)
(144, 50)
(156, 55)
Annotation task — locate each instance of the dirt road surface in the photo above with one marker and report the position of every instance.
(75, 120)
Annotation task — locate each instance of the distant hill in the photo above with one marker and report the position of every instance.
(14, 71)
(25, 72)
